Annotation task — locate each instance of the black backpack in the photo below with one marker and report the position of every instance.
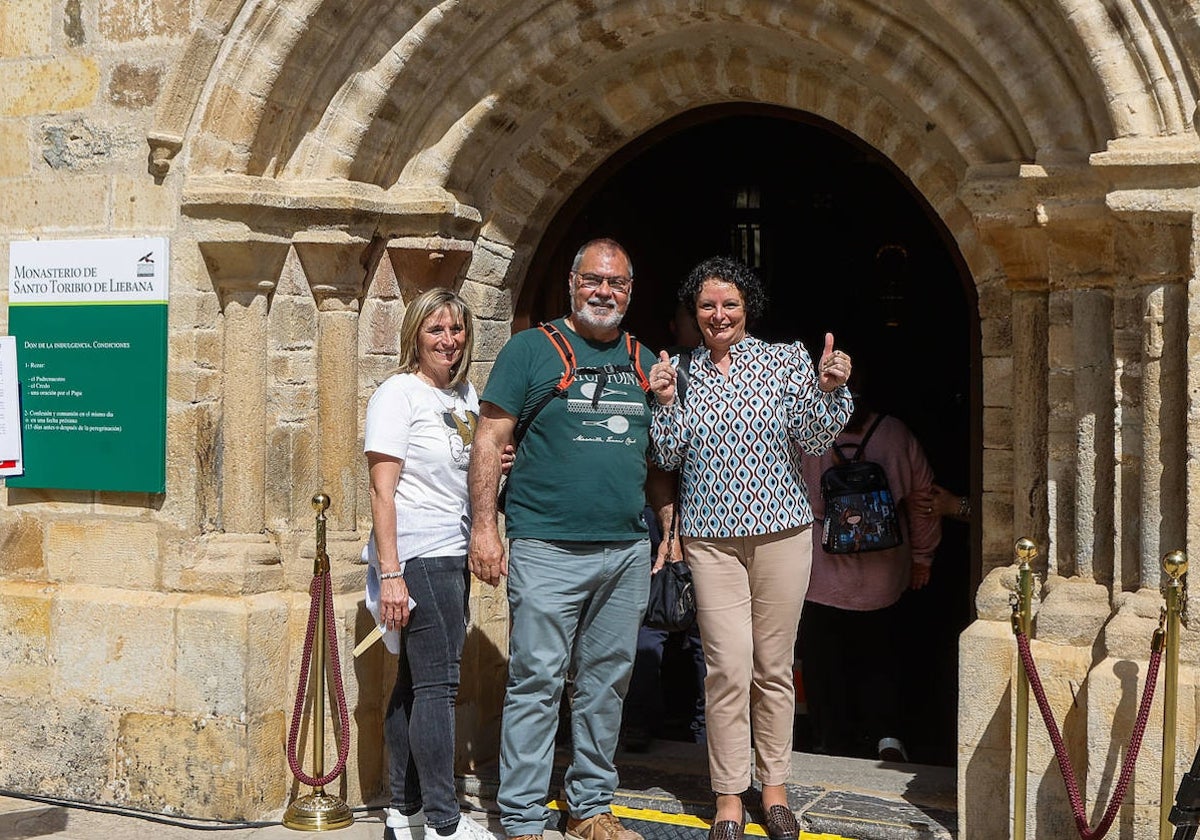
(860, 513)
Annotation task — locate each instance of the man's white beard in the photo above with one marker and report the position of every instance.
(597, 319)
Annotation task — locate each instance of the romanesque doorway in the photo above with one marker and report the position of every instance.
(845, 244)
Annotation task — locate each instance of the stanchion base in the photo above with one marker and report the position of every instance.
(318, 812)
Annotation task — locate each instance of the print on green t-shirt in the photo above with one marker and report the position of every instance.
(580, 471)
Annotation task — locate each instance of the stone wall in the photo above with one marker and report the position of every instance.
(315, 163)
(170, 651)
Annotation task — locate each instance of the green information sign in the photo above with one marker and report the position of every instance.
(90, 322)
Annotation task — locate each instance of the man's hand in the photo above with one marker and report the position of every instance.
(492, 447)
(662, 379)
(485, 557)
(834, 368)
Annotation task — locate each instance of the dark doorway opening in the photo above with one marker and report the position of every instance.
(845, 244)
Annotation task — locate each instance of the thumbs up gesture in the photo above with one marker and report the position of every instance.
(662, 379)
(834, 368)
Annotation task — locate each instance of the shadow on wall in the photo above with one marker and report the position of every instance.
(988, 770)
(477, 714)
(375, 673)
(480, 701)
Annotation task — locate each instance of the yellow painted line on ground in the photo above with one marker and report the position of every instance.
(690, 821)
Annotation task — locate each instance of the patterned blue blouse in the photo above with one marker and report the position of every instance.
(737, 440)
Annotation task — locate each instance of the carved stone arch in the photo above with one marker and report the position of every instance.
(382, 93)
(178, 105)
(521, 187)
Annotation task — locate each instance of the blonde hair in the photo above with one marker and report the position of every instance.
(430, 303)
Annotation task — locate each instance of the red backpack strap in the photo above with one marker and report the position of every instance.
(565, 353)
(635, 361)
(560, 343)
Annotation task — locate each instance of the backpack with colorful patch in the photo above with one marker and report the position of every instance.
(860, 513)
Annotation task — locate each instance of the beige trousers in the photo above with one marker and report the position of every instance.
(749, 593)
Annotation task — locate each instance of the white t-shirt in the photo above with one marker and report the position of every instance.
(431, 430)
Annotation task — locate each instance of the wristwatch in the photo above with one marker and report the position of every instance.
(964, 507)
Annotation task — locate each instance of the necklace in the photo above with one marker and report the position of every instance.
(464, 423)
(451, 400)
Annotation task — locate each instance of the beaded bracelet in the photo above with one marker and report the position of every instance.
(390, 575)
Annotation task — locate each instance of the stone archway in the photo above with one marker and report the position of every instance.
(1054, 145)
(842, 245)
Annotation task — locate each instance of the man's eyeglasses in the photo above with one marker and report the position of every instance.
(617, 283)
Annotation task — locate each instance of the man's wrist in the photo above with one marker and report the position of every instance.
(964, 507)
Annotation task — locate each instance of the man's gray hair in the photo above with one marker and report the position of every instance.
(608, 245)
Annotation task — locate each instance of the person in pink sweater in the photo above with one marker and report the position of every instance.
(850, 625)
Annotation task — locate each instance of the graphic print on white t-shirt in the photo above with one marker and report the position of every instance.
(460, 431)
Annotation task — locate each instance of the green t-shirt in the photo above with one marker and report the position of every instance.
(580, 471)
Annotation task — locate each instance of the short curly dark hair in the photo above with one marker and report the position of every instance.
(729, 270)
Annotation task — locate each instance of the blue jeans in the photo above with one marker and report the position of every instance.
(419, 726)
(576, 605)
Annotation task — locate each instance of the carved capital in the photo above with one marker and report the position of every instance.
(1045, 224)
(335, 264)
(240, 266)
(422, 263)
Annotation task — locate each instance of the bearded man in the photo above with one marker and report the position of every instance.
(578, 580)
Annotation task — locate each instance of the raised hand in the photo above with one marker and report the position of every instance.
(834, 368)
(662, 379)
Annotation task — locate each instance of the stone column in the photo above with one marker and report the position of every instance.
(332, 261)
(1163, 476)
(1095, 463)
(244, 274)
(1030, 410)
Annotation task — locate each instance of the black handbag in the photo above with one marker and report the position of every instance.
(672, 603)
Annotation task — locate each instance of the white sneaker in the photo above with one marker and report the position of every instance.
(892, 749)
(403, 827)
(467, 829)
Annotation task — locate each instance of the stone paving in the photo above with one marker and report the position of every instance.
(835, 798)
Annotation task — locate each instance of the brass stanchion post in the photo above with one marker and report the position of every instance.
(1022, 623)
(1175, 565)
(319, 811)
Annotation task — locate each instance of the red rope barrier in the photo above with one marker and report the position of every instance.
(321, 590)
(1060, 748)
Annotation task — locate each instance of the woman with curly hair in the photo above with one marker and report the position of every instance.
(750, 409)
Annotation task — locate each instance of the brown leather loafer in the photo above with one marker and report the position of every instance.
(781, 823)
(727, 830)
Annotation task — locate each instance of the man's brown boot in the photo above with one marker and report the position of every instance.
(600, 827)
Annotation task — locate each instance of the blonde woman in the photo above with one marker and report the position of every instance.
(419, 431)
